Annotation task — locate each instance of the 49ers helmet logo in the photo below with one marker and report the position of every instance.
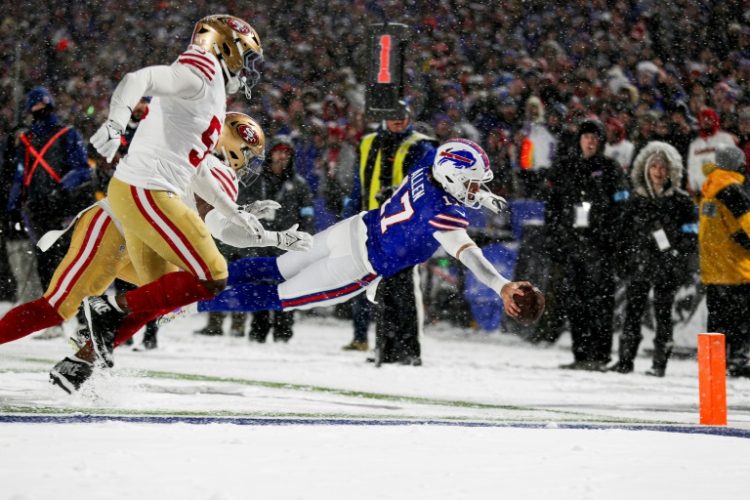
(248, 134)
(238, 26)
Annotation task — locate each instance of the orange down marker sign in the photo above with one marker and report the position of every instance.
(712, 379)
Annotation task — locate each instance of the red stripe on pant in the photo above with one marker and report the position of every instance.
(329, 294)
(163, 234)
(88, 260)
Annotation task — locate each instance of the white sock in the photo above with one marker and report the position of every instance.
(113, 303)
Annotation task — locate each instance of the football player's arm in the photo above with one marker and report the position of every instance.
(176, 80)
(250, 233)
(228, 223)
(459, 244)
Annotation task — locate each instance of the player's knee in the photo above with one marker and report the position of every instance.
(215, 286)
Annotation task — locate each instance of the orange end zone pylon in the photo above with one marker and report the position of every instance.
(712, 379)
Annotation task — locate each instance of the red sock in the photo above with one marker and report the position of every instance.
(168, 292)
(26, 319)
(133, 322)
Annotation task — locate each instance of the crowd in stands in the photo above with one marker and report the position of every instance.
(518, 77)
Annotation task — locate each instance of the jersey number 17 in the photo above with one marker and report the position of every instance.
(401, 216)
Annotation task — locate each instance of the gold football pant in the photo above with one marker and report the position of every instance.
(96, 256)
(162, 234)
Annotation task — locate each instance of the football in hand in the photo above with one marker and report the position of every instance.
(531, 303)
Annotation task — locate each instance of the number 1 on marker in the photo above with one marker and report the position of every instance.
(384, 75)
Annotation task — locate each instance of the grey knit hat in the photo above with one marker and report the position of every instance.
(730, 158)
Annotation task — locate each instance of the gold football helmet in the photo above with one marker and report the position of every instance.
(237, 46)
(242, 145)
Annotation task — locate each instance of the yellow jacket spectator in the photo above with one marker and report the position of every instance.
(724, 243)
(724, 231)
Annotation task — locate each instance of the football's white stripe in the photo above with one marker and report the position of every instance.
(99, 221)
(177, 243)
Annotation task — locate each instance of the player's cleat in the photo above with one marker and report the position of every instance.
(71, 373)
(79, 338)
(356, 345)
(103, 320)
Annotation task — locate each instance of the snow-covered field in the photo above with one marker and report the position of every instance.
(487, 416)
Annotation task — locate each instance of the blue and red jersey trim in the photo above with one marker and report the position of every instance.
(446, 222)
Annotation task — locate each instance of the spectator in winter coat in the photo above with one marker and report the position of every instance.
(660, 230)
(538, 148)
(583, 217)
(618, 147)
(724, 242)
(702, 150)
(280, 182)
(55, 183)
(337, 174)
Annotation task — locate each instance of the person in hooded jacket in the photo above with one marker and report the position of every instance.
(583, 215)
(660, 229)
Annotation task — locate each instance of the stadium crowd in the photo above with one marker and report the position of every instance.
(518, 77)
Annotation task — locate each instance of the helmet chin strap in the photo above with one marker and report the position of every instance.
(231, 83)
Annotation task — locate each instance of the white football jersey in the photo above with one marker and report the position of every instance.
(225, 177)
(177, 134)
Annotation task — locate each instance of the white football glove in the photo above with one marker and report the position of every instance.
(262, 209)
(106, 140)
(290, 239)
(249, 222)
(494, 202)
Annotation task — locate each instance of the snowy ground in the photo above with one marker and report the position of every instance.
(487, 416)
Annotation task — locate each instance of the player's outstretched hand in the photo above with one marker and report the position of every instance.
(492, 201)
(292, 239)
(262, 209)
(106, 140)
(523, 301)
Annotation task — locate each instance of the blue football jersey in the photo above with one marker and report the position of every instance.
(400, 233)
